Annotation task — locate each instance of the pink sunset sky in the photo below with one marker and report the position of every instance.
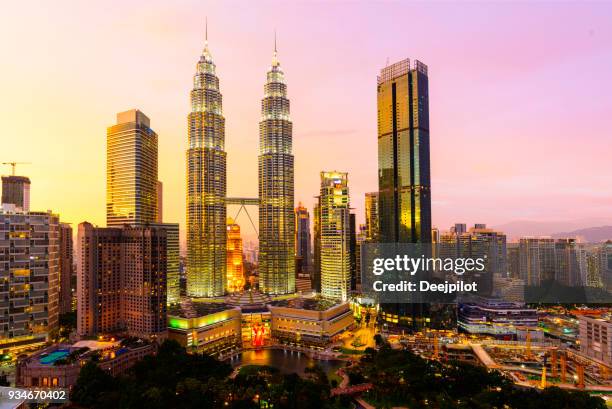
(520, 97)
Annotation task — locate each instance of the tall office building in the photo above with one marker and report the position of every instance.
(16, 190)
(121, 281)
(404, 204)
(235, 265)
(335, 236)
(403, 154)
(131, 170)
(316, 244)
(160, 202)
(302, 240)
(353, 249)
(371, 217)
(29, 268)
(206, 184)
(276, 218)
(172, 260)
(66, 262)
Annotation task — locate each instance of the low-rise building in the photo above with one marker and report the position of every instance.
(596, 338)
(59, 365)
(500, 319)
(208, 327)
(310, 321)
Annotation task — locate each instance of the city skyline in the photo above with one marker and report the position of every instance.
(499, 71)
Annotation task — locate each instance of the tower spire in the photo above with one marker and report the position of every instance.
(275, 55)
(206, 50)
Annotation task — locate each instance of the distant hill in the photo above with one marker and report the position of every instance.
(589, 235)
(522, 228)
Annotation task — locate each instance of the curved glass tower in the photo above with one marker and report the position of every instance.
(276, 218)
(206, 184)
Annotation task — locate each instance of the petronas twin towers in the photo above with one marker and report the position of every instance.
(207, 186)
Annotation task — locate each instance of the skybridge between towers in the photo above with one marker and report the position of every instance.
(243, 202)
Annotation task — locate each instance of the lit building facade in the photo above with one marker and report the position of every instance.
(209, 328)
(206, 184)
(66, 263)
(16, 191)
(121, 281)
(131, 170)
(371, 217)
(310, 322)
(316, 244)
(596, 338)
(404, 203)
(29, 273)
(403, 154)
(276, 189)
(173, 260)
(302, 240)
(42, 370)
(498, 318)
(235, 265)
(335, 236)
(160, 202)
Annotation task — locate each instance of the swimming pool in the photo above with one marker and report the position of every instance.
(54, 356)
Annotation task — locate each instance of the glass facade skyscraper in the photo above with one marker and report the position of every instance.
(276, 194)
(206, 184)
(131, 170)
(403, 154)
(335, 236)
(302, 240)
(404, 203)
(371, 217)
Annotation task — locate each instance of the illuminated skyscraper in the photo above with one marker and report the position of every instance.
(121, 281)
(235, 267)
(404, 204)
(335, 236)
(316, 245)
(371, 217)
(276, 218)
(131, 170)
(206, 184)
(65, 268)
(302, 240)
(160, 202)
(403, 154)
(172, 260)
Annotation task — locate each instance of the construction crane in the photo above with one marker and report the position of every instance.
(14, 165)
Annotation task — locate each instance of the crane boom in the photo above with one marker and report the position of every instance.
(14, 165)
